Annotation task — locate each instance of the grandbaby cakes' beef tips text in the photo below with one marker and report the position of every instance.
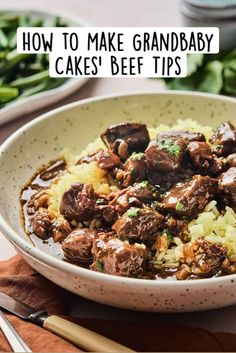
(135, 207)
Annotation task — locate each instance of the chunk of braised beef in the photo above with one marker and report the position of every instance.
(190, 198)
(139, 224)
(224, 139)
(177, 228)
(167, 180)
(60, 228)
(217, 166)
(38, 199)
(116, 257)
(203, 259)
(78, 244)
(108, 160)
(108, 213)
(165, 155)
(231, 160)
(78, 202)
(200, 155)
(186, 135)
(134, 135)
(41, 223)
(227, 187)
(121, 148)
(134, 170)
(136, 195)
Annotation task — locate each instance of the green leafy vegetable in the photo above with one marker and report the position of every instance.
(22, 75)
(213, 73)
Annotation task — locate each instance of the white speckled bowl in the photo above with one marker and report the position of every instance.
(74, 126)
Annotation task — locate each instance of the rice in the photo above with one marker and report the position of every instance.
(185, 125)
(210, 224)
(216, 227)
(84, 173)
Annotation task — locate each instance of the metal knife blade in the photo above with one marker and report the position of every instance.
(15, 307)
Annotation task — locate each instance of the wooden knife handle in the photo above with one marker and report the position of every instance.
(82, 337)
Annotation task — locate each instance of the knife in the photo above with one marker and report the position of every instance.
(78, 335)
(13, 337)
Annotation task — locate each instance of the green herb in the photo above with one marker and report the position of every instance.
(170, 146)
(99, 266)
(143, 184)
(218, 147)
(179, 206)
(136, 156)
(133, 212)
(170, 237)
(208, 73)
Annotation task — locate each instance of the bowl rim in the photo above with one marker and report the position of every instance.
(39, 255)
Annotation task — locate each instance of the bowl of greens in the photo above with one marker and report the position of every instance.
(25, 85)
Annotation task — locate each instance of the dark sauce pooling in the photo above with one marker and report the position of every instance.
(162, 185)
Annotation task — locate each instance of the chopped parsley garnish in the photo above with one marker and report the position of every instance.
(99, 266)
(133, 213)
(137, 156)
(170, 237)
(179, 206)
(143, 184)
(218, 147)
(171, 147)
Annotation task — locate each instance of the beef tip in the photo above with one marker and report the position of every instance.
(78, 203)
(217, 166)
(186, 135)
(134, 170)
(135, 136)
(227, 187)
(119, 258)
(200, 155)
(139, 224)
(41, 223)
(107, 160)
(177, 228)
(231, 160)
(165, 155)
(224, 139)
(78, 244)
(108, 213)
(167, 180)
(60, 228)
(37, 200)
(121, 149)
(136, 195)
(190, 198)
